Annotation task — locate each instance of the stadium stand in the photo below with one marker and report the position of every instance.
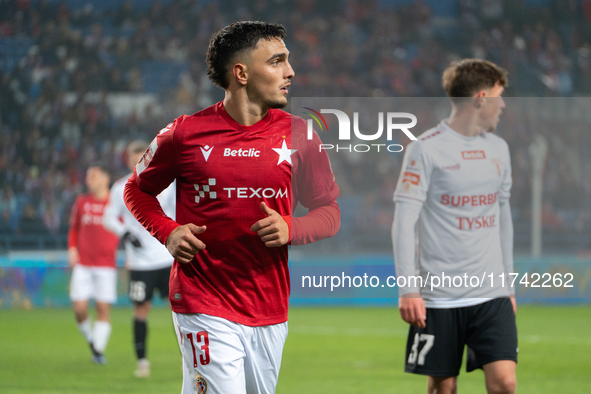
(65, 64)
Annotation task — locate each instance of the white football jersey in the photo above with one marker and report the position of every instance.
(459, 180)
(152, 254)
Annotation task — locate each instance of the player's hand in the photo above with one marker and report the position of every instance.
(412, 309)
(182, 243)
(73, 256)
(129, 237)
(273, 229)
(514, 303)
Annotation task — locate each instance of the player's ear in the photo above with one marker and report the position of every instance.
(479, 98)
(240, 74)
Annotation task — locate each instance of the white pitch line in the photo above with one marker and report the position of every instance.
(397, 333)
(557, 339)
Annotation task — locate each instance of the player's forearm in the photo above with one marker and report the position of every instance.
(147, 210)
(72, 237)
(320, 223)
(506, 229)
(406, 215)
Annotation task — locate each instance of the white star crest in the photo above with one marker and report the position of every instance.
(284, 153)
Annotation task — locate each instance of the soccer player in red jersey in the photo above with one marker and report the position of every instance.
(241, 168)
(91, 253)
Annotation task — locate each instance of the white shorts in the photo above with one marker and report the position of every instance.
(222, 357)
(99, 283)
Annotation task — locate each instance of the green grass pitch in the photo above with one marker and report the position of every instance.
(328, 350)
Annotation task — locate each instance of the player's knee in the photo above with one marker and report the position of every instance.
(80, 316)
(102, 311)
(80, 311)
(442, 385)
(505, 385)
(141, 310)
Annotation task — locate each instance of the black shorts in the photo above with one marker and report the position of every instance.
(488, 329)
(143, 283)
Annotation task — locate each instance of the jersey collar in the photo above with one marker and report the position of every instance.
(446, 127)
(258, 126)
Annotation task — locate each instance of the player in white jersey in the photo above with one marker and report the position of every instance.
(453, 192)
(147, 260)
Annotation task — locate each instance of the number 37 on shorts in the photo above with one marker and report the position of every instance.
(417, 356)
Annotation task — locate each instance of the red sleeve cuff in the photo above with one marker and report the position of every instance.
(162, 234)
(287, 219)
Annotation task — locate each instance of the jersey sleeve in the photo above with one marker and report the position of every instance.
(168, 200)
(317, 184)
(415, 175)
(74, 224)
(317, 190)
(505, 192)
(155, 171)
(406, 216)
(320, 223)
(114, 210)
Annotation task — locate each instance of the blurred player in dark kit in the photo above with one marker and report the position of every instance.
(147, 259)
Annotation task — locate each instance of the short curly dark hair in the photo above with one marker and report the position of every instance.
(466, 77)
(234, 38)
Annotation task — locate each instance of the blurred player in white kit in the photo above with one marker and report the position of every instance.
(454, 191)
(147, 260)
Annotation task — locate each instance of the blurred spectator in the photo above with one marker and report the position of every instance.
(30, 223)
(63, 64)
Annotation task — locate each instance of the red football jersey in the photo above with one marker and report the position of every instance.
(96, 245)
(223, 171)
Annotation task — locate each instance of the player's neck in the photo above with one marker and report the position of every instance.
(242, 110)
(101, 194)
(464, 122)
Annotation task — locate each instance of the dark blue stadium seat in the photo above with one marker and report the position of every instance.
(157, 76)
(12, 50)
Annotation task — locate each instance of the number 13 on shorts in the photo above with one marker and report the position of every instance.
(201, 338)
(417, 356)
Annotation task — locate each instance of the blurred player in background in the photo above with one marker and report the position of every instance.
(91, 253)
(233, 163)
(147, 259)
(455, 183)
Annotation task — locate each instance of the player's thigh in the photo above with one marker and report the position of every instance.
(437, 349)
(105, 284)
(264, 348)
(141, 286)
(81, 284)
(492, 335)
(213, 354)
(500, 376)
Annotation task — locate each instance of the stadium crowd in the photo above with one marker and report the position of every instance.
(61, 64)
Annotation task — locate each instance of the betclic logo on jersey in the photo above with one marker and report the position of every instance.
(394, 122)
(473, 154)
(230, 152)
